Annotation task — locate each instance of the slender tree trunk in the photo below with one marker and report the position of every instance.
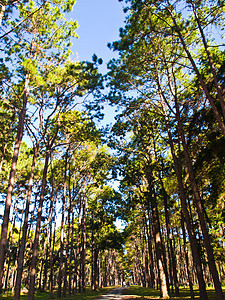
(95, 269)
(200, 211)
(146, 260)
(150, 250)
(19, 137)
(138, 262)
(48, 249)
(65, 282)
(59, 291)
(6, 144)
(105, 278)
(52, 245)
(168, 229)
(72, 204)
(178, 171)
(38, 227)
(8, 262)
(83, 247)
(67, 240)
(101, 276)
(158, 240)
(65, 270)
(25, 228)
(42, 266)
(171, 250)
(190, 277)
(78, 250)
(71, 253)
(193, 242)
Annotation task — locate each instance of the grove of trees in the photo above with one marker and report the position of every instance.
(160, 168)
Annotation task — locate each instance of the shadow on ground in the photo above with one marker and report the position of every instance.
(141, 293)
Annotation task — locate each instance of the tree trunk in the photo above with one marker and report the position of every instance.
(190, 277)
(171, 250)
(59, 291)
(146, 260)
(7, 274)
(72, 204)
(71, 254)
(200, 211)
(52, 245)
(67, 240)
(178, 171)
(193, 242)
(65, 282)
(95, 269)
(150, 250)
(48, 249)
(163, 275)
(168, 230)
(19, 137)
(6, 144)
(38, 227)
(25, 228)
(105, 270)
(78, 250)
(41, 271)
(83, 247)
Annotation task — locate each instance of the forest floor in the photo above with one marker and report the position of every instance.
(141, 293)
(118, 293)
(88, 295)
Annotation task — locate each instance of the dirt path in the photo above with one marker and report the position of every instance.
(116, 294)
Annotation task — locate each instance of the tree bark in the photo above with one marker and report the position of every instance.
(146, 260)
(83, 247)
(78, 250)
(25, 228)
(65, 285)
(178, 171)
(38, 227)
(190, 277)
(72, 204)
(6, 144)
(163, 275)
(171, 249)
(19, 137)
(52, 244)
(168, 230)
(95, 269)
(59, 291)
(48, 247)
(193, 242)
(150, 249)
(200, 210)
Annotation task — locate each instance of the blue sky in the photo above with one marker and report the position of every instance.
(99, 23)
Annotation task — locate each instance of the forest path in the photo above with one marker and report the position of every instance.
(116, 294)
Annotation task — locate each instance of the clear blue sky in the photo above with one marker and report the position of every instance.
(99, 23)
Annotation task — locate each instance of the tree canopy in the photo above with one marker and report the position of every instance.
(66, 181)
